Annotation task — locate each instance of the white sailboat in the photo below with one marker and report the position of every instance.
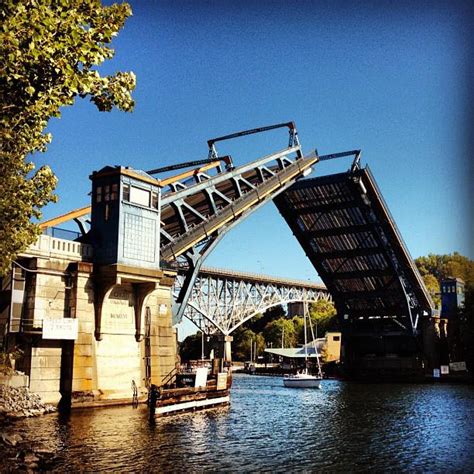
(304, 379)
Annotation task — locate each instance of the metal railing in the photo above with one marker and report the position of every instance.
(59, 233)
(170, 378)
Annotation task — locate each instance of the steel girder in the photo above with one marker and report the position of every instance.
(221, 301)
(196, 217)
(344, 225)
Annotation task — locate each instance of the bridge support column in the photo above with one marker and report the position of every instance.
(228, 348)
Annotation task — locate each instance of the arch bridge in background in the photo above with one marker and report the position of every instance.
(222, 300)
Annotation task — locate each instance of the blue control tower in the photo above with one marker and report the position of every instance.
(452, 296)
(125, 217)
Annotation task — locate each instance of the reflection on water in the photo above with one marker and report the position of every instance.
(269, 427)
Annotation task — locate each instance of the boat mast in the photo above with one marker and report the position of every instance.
(320, 372)
(305, 311)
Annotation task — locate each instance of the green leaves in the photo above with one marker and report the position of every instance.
(48, 50)
(433, 287)
(323, 313)
(444, 266)
(280, 331)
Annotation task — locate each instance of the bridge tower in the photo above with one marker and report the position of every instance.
(452, 296)
(125, 217)
(131, 291)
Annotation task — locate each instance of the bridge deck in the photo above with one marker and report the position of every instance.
(346, 230)
(229, 202)
(258, 277)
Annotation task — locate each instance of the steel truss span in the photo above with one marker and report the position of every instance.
(345, 228)
(221, 300)
(197, 213)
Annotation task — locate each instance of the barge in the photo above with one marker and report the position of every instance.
(197, 389)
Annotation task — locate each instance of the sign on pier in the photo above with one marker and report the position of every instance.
(64, 328)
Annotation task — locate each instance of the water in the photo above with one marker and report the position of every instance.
(398, 427)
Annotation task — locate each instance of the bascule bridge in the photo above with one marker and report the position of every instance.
(98, 311)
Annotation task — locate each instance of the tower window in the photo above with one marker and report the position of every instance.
(126, 192)
(140, 196)
(114, 193)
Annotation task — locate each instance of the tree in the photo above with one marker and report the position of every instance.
(191, 347)
(256, 324)
(243, 337)
(275, 312)
(323, 313)
(432, 285)
(49, 50)
(279, 330)
(443, 266)
(431, 264)
(244, 344)
(298, 324)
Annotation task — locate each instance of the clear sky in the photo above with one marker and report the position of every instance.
(392, 78)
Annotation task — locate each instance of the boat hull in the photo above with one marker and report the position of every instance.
(192, 405)
(294, 382)
(165, 401)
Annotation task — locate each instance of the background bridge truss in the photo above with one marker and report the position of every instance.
(222, 300)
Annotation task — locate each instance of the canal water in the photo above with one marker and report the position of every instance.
(343, 426)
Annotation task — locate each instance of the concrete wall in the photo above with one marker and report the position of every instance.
(84, 364)
(102, 371)
(118, 355)
(45, 372)
(163, 342)
(47, 296)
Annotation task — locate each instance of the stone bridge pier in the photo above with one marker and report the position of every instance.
(87, 332)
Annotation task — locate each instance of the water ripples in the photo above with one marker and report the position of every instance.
(390, 427)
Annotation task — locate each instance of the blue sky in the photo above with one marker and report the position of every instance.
(391, 78)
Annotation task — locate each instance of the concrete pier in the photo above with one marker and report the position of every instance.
(112, 345)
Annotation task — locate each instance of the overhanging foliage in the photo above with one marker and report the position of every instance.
(49, 50)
